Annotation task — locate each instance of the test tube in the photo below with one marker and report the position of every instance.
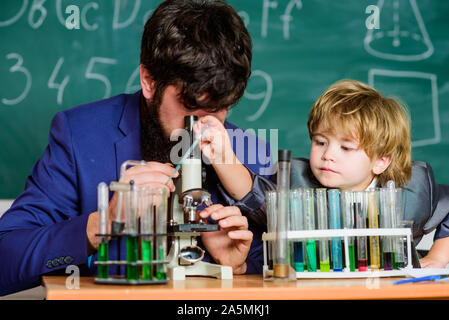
(335, 222)
(309, 223)
(411, 259)
(103, 246)
(297, 223)
(281, 261)
(132, 270)
(397, 217)
(373, 222)
(159, 203)
(191, 167)
(321, 208)
(118, 225)
(147, 229)
(347, 210)
(360, 212)
(271, 203)
(386, 221)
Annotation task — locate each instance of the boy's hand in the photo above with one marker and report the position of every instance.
(230, 245)
(216, 146)
(438, 256)
(215, 143)
(428, 262)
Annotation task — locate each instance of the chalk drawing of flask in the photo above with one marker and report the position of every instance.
(401, 35)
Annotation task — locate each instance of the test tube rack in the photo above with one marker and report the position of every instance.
(137, 265)
(345, 234)
(139, 227)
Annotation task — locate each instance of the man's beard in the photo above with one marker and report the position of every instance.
(154, 145)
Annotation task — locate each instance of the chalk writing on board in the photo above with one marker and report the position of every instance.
(13, 19)
(90, 74)
(85, 15)
(37, 11)
(18, 67)
(265, 95)
(404, 76)
(116, 24)
(131, 85)
(245, 17)
(286, 17)
(58, 86)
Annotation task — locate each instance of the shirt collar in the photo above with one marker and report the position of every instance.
(372, 185)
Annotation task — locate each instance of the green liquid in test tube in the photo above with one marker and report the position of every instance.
(161, 274)
(160, 226)
(103, 255)
(311, 255)
(148, 209)
(132, 272)
(351, 256)
(321, 208)
(147, 256)
(347, 204)
(309, 223)
(103, 247)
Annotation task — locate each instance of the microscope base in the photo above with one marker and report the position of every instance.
(200, 268)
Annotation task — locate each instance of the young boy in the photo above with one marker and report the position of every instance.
(361, 139)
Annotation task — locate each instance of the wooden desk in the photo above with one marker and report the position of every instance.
(247, 287)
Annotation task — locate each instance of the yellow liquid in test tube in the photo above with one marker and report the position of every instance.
(373, 222)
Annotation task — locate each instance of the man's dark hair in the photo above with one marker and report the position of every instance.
(201, 46)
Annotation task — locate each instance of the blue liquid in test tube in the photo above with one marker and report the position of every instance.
(335, 222)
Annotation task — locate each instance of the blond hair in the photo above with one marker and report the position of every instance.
(380, 124)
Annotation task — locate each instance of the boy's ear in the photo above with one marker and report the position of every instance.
(147, 83)
(381, 164)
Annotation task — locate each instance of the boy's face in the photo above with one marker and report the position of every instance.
(337, 162)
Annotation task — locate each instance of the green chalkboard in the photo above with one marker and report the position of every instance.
(300, 48)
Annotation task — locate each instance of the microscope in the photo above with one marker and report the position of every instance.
(184, 224)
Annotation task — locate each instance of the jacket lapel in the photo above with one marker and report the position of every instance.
(128, 148)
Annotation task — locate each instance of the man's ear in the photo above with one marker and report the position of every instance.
(147, 83)
(381, 164)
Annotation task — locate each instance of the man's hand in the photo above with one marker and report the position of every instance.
(230, 245)
(153, 174)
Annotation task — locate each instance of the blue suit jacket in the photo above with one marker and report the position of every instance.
(45, 228)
